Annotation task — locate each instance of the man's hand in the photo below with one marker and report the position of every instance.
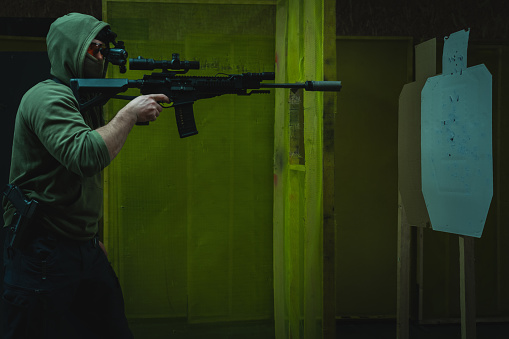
(145, 107)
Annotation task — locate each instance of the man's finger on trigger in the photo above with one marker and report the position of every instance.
(161, 97)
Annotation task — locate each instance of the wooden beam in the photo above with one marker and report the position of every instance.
(403, 279)
(280, 177)
(467, 287)
(329, 217)
(420, 273)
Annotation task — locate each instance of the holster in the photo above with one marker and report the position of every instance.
(25, 212)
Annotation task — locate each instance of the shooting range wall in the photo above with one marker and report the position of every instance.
(189, 221)
(373, 71)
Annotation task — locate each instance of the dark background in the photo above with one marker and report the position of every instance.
(422, 20)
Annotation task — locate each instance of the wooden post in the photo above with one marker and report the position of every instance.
(467, 287)
(303, 209)
(329, 217)
(420, 273)
(403, 267)
(281, 181)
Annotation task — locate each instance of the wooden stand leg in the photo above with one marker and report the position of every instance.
(420, 273)
(467, 287)
(403, 293)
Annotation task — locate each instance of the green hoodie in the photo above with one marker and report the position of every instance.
(57, 156)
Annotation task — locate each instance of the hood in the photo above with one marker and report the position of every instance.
(68, 40)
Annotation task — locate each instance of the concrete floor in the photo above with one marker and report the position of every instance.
(159, 329)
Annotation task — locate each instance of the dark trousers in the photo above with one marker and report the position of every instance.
(59, 288)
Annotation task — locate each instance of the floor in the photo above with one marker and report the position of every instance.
(158, 329)
(386, 330)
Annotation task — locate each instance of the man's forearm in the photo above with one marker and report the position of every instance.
(143, 108)
(116, 131)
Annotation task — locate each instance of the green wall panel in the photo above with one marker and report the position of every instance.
(189, 221)
(373, 72)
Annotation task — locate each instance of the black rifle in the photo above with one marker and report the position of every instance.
(25, 211)
(182, 90)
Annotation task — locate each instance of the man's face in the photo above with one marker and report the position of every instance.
(93, 66)
(94, 49)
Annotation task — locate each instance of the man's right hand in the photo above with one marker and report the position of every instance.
(146, 107)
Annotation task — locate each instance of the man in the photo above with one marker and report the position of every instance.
(59, 283)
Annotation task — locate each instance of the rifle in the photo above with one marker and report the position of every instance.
(182, 90)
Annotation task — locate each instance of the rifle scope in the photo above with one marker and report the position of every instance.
(175, 63)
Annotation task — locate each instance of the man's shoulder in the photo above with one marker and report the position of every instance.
(47, 92)
(47, 100)
(49, 87)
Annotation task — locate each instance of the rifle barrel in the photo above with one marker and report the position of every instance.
(334, 86)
